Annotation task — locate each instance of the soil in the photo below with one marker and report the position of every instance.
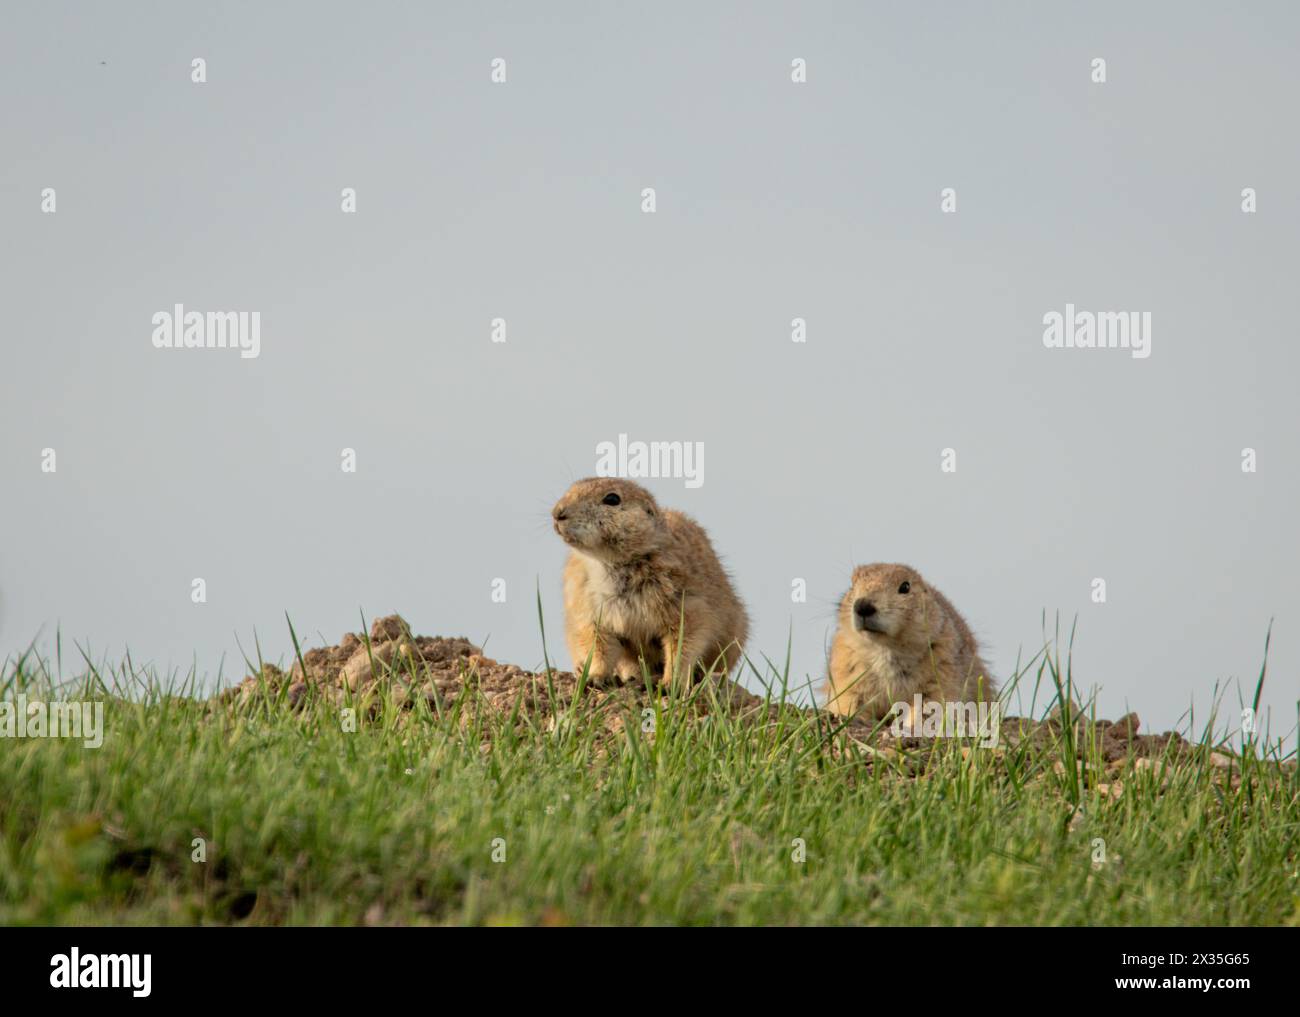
(395, 664)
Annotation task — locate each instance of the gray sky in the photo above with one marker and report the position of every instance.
(775, 200)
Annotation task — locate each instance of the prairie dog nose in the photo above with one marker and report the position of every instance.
(863, 608)
(559, 513)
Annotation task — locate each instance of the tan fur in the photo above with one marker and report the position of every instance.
(636, 571)
(924, 646)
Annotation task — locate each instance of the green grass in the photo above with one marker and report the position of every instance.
(396, 823)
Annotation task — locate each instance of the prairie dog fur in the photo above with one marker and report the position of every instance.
(899, 636)
(635, 574)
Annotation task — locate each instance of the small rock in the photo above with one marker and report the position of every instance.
(1158, 767)
(1127, 724)
(988, 750)
(356, 672)
(1076, 711)
(891, 755)
(391, 626)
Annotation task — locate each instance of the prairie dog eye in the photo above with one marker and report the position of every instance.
(905, 587)
(612, 499)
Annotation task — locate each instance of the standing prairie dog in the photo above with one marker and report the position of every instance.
(898, 636)
(636, 574)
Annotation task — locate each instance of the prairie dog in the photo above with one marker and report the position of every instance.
(899, 636)
(635, 574)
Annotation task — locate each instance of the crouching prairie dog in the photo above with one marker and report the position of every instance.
(898, 636)
(639, 581)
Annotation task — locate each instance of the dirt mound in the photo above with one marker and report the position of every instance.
(440, 670)
(393, 663)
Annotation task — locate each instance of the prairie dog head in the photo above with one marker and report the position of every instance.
(609, 518)
(891, 604)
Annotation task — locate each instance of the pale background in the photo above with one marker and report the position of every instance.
(775, 201)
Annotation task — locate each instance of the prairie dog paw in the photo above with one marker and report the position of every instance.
(600, 679)
(627, 670)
